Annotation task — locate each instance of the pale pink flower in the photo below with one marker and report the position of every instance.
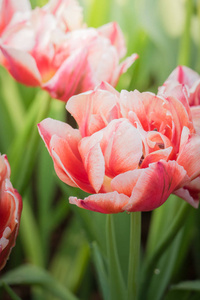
(131, 151)
(50, 47)
(10, 211)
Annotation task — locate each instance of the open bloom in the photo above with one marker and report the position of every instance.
(51, 47)
(131, 151)
(10, 211)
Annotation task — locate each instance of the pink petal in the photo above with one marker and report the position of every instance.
(8, 8)
(121, 146)
(10, 213)
(72, 168)
(195, 110)
(93, 159)
(122, 68)
(189, 156)
(62, 143)
(68, 13)
(109, 203)
(151, 186)
(185, 195)
(156, 156)
(183, 75)
(21, 66)
(67, 81)
(113, 32)
(4, 168)
(93, 110)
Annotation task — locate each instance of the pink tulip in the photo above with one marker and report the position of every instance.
(10, 212)
(190, 80)
(131, 151)
(184, 84)
(50, 47)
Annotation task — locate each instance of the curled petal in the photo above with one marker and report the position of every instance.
(122, 68)
(150, 187)
(109, 203)
(93, 110)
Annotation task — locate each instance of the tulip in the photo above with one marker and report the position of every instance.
(10, 212)
(51, 47)
(131, 151)
(190, 80)
(184, 84)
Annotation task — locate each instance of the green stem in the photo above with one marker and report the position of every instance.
(184, 52)
(134, 255)
(165, 242)
(116, 283)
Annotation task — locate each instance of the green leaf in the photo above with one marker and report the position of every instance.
(116, 282)
(100, 269)
(32, 275)
(10, 292)
(193, 285)
(29, 233)
(72, 256)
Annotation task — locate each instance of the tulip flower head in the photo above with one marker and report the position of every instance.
(10, 212)
(52, 48)
(184, 84)
(131, 151)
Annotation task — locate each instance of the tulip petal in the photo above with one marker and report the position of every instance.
(93, 159)
(109, 203)
(185, 194)
(122, 68)
(67, 81)
(62, 143)
(151, 186)
(183, 75)
(113, 32)
(10, 213)
(195, 110)
(163, 154)
(121, 146)
(189, 156)
(21, 66)
(93, 110)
